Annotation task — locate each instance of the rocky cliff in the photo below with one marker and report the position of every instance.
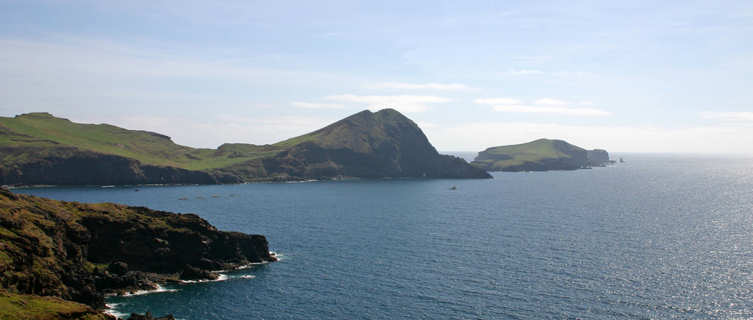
(72, 166)
(80, 252)
(598, 158)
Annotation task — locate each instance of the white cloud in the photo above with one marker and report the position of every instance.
(416, 86)
(497, 101)
(550, 102)
(586, 112)
(314, 105)
(404, 103)
(728, 116)
(543, 105)
(525, 72)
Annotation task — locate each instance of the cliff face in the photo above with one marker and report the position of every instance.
(79, 252)
(598, 158)
(71, 166)
(42, 149)
(539, 155)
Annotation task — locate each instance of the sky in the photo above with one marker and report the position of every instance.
(627, 76)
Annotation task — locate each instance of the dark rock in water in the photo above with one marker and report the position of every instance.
(539, 155)
(79, 251)
(192, 273)
(148, 316)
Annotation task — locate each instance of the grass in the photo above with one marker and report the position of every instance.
(43, 132)
(353, 132)
(31, 307)
(513, 155)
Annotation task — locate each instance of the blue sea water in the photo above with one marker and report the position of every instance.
(656, 237)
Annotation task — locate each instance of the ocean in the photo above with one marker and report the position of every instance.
(656, 237)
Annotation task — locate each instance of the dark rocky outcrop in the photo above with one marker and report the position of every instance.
(80, 252)
(148, 316)
(598, 158)
(540, 155)
(71, 166)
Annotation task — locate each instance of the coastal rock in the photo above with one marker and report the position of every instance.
(79, 252)
(598, 158)
(148, 316)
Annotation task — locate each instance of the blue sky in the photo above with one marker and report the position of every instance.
(669, 76)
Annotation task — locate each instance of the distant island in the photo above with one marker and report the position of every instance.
(40, 149)
(540, 155)
(59, 259)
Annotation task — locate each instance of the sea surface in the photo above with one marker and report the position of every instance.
(656, 237)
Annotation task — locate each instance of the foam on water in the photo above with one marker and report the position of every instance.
(158, 289)
(221, 277)
(111, 309)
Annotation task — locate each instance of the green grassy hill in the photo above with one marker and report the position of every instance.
(42, 130)
(38, 148)
(538, 155)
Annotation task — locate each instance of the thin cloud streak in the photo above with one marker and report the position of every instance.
(404, 103)
(497, 101)
(419, 86)
(728, 116)
(314, 105)
(586, 112)
(543, 105)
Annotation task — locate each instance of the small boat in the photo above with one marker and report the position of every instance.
(621, 161)
(454, 188)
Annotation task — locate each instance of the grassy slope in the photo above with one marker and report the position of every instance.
(351, 132)
(31, 307)
(44, 130)
(521, 153)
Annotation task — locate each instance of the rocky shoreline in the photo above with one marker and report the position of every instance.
(83, 252)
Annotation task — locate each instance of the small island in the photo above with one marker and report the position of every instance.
(540, 155)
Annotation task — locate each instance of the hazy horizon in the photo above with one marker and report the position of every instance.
(670, 77)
